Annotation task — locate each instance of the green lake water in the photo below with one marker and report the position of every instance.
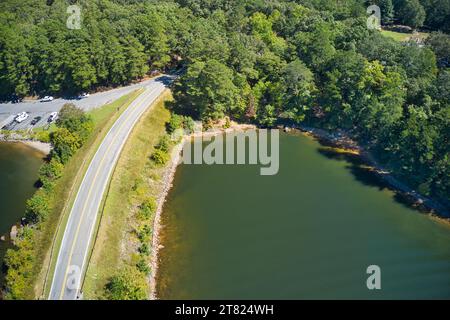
(308, 232)
(19, 166)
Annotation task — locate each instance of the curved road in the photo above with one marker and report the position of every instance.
(71, 263)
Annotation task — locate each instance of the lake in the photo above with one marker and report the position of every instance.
(19, 166)
(309, 232)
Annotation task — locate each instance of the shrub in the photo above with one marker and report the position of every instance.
(147, 208)
(175, 122)
(75, 120)
(38, 207)
(164, 143)
(160, 157)
(227, 123)
(65, 144)
(144, 233)
(144, 249)
(43, 136)
(127, 284)
(50, 171)
(19, 263)
(189, 124)
(143, 266)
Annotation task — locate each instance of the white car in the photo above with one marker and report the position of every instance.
(47, 99)
(21, 117)
(83, 95)
(52, 117)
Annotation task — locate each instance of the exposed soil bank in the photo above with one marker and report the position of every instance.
(43, 147)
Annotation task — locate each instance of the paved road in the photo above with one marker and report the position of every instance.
(43, 109)
(71, 263)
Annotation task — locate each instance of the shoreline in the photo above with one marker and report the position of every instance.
(43, 147)
(345, 144)
(341, 144)
(40, 146)
(168, 178)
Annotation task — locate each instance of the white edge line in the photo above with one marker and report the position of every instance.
(78, 192)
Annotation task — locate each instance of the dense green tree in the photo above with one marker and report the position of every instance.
(411, 13)
(316, 48)
(440, 43)
(19, 264)
(299, 87)
(50, 171)
(420, 67)
(387, 11)
(37, 208)
(65, 143)
(15, 68)
(76, 121)
(207, 89)
(438, 14)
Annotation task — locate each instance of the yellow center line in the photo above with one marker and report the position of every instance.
(89, 195)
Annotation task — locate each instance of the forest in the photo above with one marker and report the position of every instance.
(266, 62)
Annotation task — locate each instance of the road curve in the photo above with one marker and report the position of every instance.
(71, 261)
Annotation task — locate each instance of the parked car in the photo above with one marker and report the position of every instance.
(47, 99)
(83, 95)
(20, 117)
(52, 117)
(35, 120)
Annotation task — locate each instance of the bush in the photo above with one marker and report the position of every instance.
(180, 122)
(164, 144)
(144, 233)
(65, 144)
(189, 124)
(175, 122)
(75, 120)
(19, 263)
(50, 171)
(160, 157)
(38, 207)
(143, 266)
(147, 208)
(128, 284)
(227, 123)
(144, 249)
(43, 136)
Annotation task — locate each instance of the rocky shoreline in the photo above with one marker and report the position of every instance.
(414, 198)
(339, 142)
(156, 243)
(168, 177)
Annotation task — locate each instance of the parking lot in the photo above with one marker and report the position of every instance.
(36, 108)
(10, 124)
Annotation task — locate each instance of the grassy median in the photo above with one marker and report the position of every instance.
(134, 180)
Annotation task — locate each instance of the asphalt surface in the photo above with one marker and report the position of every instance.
(43, 109)
(71, 261)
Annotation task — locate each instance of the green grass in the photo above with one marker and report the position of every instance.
(134, 180)
(401, 37)
(67, 187)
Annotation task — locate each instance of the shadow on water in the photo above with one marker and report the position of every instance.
(366, 175)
